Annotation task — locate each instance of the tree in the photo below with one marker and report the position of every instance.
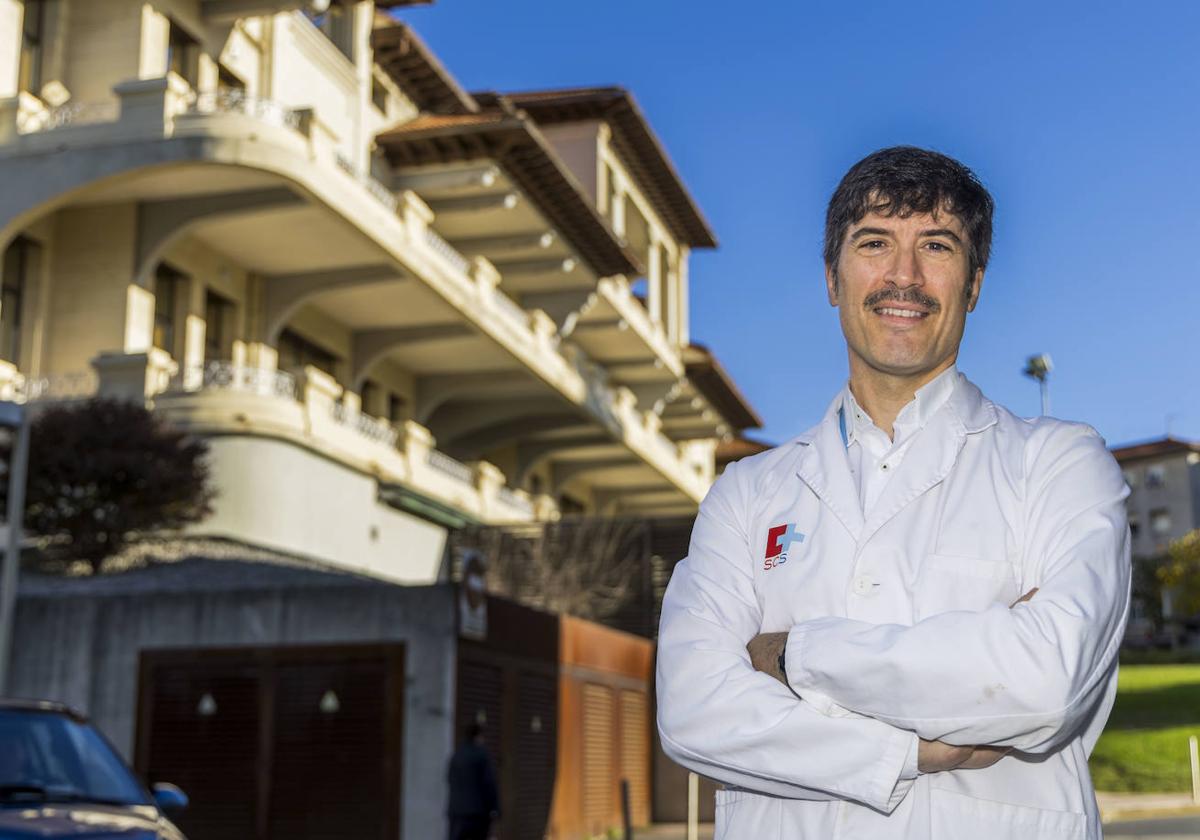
(103, 471)
(1181, 571)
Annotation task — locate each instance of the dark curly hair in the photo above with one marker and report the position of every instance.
(903, 180)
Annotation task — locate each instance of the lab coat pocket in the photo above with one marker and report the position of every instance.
(948, 582)
(741, 814)
(956, 815)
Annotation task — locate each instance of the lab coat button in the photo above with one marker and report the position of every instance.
(865, 586)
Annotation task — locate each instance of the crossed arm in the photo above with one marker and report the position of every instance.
(1023, 677)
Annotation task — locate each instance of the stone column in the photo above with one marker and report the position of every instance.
(134, 376)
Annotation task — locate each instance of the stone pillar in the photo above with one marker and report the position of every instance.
(134, 376)
(10, 46)
(485, 275)
(659, 269)
(416, 215)
(149, 105)
(10, 380)
(488, 481)
(418, 443)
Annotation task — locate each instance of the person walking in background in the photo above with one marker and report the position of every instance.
(903, 623)
(474, 797)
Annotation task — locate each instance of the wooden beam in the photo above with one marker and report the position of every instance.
(432, 185)
(490, 246)
(474, 203)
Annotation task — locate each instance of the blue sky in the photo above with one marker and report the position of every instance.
(1082, 119)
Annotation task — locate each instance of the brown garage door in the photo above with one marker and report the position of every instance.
(599, 808)
(296, 743)
(635, 753)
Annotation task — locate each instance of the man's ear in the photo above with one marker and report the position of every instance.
(976, 285)
(831, 284)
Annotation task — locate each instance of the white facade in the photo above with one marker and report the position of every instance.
(197, 212)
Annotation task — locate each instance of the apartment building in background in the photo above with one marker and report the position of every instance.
(395, 309)
(392, 305)
(1163, 505)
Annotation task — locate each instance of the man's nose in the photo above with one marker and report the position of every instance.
(905, 269)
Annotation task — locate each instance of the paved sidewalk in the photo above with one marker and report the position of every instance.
(1129, 806)
(1114, 807)
(671, 831)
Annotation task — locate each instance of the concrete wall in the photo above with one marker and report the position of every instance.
(82, 648)
(103, 47)
(10, 46)
(278, 494)
(92, 301)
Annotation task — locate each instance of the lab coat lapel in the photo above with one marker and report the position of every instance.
(826, 470)
(932, 455)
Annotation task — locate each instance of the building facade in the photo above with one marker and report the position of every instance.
(1164, 504)
(394, 309)
(392, 306)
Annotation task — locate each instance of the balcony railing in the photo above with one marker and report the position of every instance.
(443, 463)
(70, 386)
(237, 102)
(369, 427)
(229, 376)
(510, 310)
(71, 114)
(509, 498)
(446, 251)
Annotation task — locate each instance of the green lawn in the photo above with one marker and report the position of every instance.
(1145, 745)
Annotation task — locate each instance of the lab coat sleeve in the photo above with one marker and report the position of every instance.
(721, 718)
(1025, 677)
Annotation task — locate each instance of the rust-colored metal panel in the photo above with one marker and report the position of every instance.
(635, 753)
(591, 645)
(599, 761)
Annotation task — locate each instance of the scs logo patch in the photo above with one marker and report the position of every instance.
(779, 541)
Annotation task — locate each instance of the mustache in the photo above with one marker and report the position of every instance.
(901, 296)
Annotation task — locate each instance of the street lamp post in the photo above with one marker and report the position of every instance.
(14, 422)
(1038, 367)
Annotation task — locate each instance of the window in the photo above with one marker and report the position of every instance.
(368, 395)
(396, 405)
(229, 83)
(183, 54)
(335, 24)
(218, 318)
(1160, 522)
(296, 351)
(33, 34)
(167, 283)
(20, 261)
(379, 95)
(1156, 475)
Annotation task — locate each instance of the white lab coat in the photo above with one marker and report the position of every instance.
(900, 626)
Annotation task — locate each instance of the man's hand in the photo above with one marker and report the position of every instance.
(764, 650)
(934, 756)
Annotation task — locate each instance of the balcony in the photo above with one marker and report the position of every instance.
(268, 165)
(312, 410)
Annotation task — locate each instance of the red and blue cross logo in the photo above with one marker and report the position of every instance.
(779, 541)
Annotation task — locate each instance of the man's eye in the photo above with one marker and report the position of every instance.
(873, 243)
(938, 246)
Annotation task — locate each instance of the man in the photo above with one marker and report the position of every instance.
(474, 800)
(903, 623)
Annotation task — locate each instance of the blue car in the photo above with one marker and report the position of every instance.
(59, 777)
